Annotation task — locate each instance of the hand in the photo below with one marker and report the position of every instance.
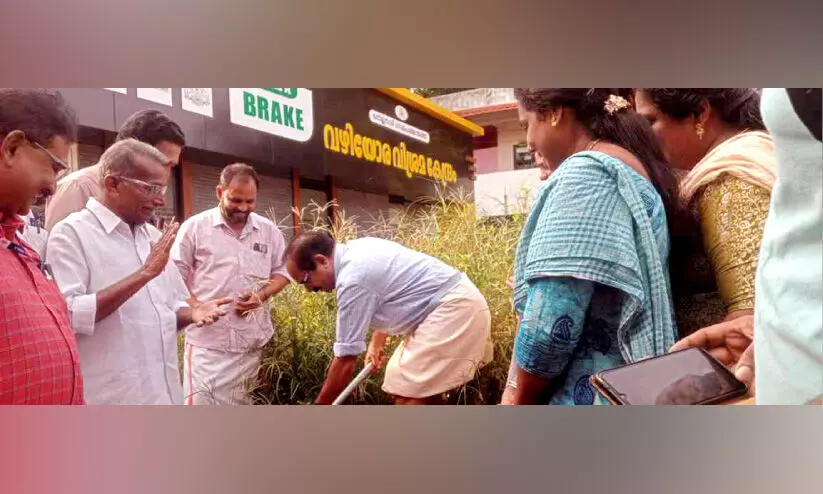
(159, 255)
(508, 396)
(376, 356)
(247, 302)
(731, 342)
(209, 312)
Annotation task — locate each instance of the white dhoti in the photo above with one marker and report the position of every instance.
(213, 377)
(447, 348)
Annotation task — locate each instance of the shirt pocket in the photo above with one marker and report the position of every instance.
(255, 266)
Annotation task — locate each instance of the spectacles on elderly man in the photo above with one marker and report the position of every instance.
(152, 190)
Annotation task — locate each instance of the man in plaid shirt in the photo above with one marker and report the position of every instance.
(38, 351)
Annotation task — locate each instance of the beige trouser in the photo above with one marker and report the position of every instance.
(446, 349)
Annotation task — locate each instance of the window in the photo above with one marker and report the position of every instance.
(523, 158)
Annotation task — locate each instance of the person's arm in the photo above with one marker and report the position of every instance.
(279, 277)
(355, 306)
(732, 217)
(254, 300)
(203, 314)
(71, 196)
(337, 378)
(182, 253)
(72, 273)
(376, 351)
(550, 331)
(65, 255)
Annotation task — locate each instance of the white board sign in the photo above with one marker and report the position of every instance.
(198, 100)
(284, 112)
(161, 95)
(402, 128)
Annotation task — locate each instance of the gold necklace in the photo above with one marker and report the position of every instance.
(592, 144)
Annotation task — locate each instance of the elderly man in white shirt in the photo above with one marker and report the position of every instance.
(229, 251)
(126, 299)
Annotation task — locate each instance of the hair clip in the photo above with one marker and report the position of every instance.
(615, 103)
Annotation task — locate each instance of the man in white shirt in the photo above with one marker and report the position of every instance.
(229, 251)
(126, 299)
(74, 190)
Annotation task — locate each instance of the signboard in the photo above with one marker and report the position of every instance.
(319, 132)
(160, 95)
(283, 112)
(198, 100)
(348, 142)
(398, 126)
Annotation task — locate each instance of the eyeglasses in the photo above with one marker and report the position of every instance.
(58, 165)
(153, 190)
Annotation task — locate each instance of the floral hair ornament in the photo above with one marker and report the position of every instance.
(615, 104)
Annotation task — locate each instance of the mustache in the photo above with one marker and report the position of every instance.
(237, 211)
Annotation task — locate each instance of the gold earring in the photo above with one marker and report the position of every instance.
(554, 121)
(699, 130)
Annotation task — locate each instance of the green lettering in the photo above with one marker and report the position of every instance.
(288, 115)
(276, 116)
(248, 104)
(299, 121)
(288, 92)
(262, 108)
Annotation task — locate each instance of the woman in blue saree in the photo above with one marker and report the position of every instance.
(591, 270)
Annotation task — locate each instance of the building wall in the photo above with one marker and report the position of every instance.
(488, 160)
(506, 193)
(204, 180)
(311, 203)
(364, 209)
(88, 154)
(509, 134)
(274, 202)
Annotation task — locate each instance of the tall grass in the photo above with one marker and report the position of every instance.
(295, 361)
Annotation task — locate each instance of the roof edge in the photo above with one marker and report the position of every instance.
(430, 108)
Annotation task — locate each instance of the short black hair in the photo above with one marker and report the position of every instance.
(41, 114)
(152, 127)
(230, 172)
(305, 246)
(737, 107)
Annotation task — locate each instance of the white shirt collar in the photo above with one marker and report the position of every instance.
(106, 216)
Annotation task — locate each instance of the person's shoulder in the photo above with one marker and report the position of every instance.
(751, 146)
(263, 222)
(367, 248)
(73, 221)
(198, 218)
(589, 167)
(89, 173)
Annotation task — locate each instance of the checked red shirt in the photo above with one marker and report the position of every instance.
(39, 362)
